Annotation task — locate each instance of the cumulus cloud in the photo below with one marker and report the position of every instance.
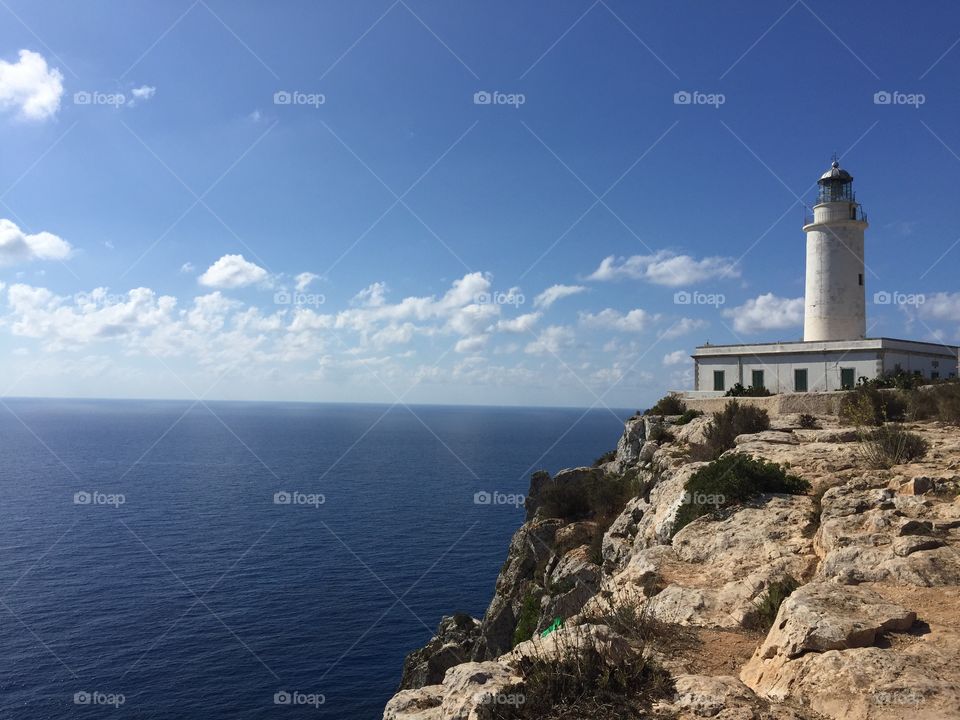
(682, 327)
(144, 92)
(677, 357)
(556, 292)
(551, 340)
(665, 268)
(519, 324)
(941, 306)
(634, 321)
(232, 271)
(304, 279)
(16, 246)
(374, 295)
(29, 87)
(188, 268)
(766, 312)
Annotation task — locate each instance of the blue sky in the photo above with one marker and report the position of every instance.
(171, 227)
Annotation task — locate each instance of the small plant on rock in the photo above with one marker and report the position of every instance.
(688, 415)
(889, 445)
(722, 431)
(668, 405)
(768, 605)
(731, 480)
(809, 422)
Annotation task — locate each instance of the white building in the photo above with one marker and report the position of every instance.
(835, 351)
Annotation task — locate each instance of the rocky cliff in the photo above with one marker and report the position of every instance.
(838, 603)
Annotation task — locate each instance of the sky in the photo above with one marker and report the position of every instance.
(454, 202)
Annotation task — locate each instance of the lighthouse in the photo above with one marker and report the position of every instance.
(835, 353)
(835, 299)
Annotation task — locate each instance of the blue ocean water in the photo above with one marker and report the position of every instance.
(145, 558)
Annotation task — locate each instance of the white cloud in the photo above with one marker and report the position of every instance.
(374, 295)
(941, 306)
(682, 327)
(472, 344)
(188, 268)
(29, 87)
(610, 319)
(519, 324)
(304, 279)
(144, 92)
(665, 268)
(766, 312)
(232, 271)
(556, 292)
(17, 246)
(677, 357)
(551, 340)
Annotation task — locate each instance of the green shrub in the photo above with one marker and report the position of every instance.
(866, 405)
(668, 405)
(769, 603)
(660, 434)
(529, 617)
(947, 396)
(808, 422)
(720, 434)
(688, 415)
(890, 445)
(598, 495)
(731, 480)
(899, 380)
(739, 390)
(605, 458)
(584, 683)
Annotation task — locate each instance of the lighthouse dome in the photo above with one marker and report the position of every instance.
(836, 173)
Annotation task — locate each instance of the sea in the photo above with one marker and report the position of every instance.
(252, 560)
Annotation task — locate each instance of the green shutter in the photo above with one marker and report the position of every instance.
(800, 380)
(718, 383)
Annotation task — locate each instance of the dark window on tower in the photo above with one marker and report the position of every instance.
(846, 378)
(860, 277)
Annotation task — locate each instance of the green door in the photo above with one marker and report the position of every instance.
(800, 380)
(846, 378)
(718, 383)
(757, 379)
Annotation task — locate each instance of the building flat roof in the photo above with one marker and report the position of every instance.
(797, 346)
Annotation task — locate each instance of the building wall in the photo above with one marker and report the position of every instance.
(823, 369)
(814, 403)
(926, 364)
(835, 306)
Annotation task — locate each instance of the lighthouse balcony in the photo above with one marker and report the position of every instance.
(832, 212)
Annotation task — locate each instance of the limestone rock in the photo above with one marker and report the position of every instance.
(451, 646)
(693, 432)
(824, 616)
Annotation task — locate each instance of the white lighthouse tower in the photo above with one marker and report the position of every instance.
(835, 352)
(835, 306)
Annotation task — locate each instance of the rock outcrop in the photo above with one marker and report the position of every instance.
(868, 562)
